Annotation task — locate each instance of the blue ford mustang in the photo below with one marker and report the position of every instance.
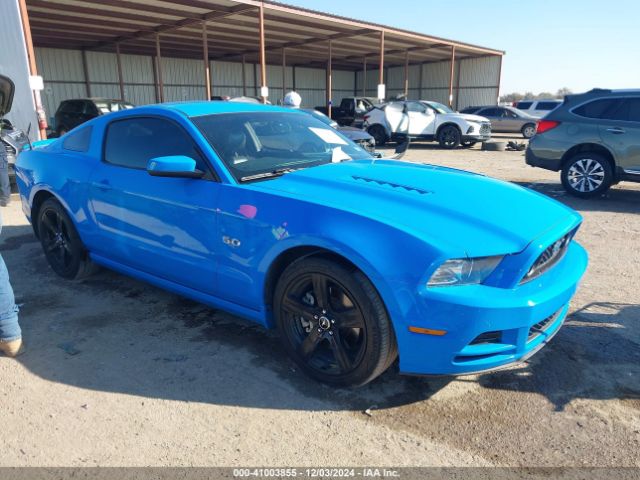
(269, 214)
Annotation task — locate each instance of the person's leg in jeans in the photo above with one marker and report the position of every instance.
(10, 334)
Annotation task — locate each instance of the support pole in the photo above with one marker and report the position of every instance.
(284, 73)
(263, 59)
(364, 77)
(33, 68)
(329, 85)
(244, 76)
(381, 67)
(499, 78)
(120, 75)
(420, 80)
(205, 59)
(406, 74)
(458, 85)
(85, 70)
(453, 65)
(160, 84)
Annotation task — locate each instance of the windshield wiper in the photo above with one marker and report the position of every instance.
(273, 173)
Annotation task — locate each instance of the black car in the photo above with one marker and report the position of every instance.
(72, 113)
(356, 135)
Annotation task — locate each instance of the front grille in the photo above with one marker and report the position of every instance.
(10, 150)
(485, 129)
(547, 259)
(541, 326)
(487, 337)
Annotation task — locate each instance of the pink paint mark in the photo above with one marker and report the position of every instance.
(248, 211)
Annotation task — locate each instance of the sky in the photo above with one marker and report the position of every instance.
(579, 44)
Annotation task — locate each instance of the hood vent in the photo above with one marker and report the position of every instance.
(396, 186)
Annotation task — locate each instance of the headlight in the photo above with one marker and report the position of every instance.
(464, 271)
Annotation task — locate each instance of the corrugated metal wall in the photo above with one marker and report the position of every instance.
(183, 79)
(478, 77)
(63, 73)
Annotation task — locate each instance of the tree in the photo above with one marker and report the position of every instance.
(563, 91)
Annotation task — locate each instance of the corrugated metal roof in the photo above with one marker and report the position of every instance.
(232, 32)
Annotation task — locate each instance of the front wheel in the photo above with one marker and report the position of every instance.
(449, 137)
(61, 243)
(587, 175)
(378, 134)
(333, 323)
(529, 130)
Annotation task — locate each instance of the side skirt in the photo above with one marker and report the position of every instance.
(257, 316)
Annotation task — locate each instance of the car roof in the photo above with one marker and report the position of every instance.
(196, 109)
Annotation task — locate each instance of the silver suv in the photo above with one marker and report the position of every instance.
(593, 139)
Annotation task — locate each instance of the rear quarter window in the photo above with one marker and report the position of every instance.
(604, 109)
(78, 141)
(547, 105)
(524, 105)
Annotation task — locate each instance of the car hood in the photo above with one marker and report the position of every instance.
(6, 94)
(467, 116)
(456, 211)
(353, 133)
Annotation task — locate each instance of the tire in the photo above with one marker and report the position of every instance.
(61, 243)
(587, 175)
(494, 146)
(378, 134)
(449, 137)
(345, 337)
(528, 130)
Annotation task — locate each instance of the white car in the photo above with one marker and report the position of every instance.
(426, 120)
(538, 108)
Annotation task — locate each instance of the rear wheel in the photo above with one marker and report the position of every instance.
(378, 134)
(60, 242)
(528, 130)
(333, 323)
(449, 137)
(587, 175)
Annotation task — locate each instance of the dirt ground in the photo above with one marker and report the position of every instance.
(118, 373)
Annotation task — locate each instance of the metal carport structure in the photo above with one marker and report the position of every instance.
(89, 45)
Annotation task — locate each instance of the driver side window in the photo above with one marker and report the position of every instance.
(416, 107)
(132, 142)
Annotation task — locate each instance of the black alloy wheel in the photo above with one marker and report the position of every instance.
(333, 323)
(60, 242)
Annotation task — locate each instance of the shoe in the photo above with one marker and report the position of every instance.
(12, 348)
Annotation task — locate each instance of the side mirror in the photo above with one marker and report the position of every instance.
(179, 166)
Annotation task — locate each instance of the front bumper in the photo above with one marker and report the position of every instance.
(489, 327)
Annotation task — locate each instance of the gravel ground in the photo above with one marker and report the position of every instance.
(118, 373)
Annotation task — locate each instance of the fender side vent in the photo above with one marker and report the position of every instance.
(396, 186)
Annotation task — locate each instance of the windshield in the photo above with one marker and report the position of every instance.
(258, 144)
(321, 116)
(107, 107)
(439, 107)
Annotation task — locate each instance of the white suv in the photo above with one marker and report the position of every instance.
(538, 108)
(426, 120)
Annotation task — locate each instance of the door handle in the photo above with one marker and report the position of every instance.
(616, 130)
